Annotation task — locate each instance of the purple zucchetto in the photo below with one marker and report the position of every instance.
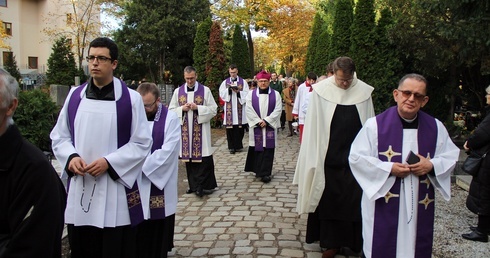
(263, 75)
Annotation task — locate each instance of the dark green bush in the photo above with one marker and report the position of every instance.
(35, 117)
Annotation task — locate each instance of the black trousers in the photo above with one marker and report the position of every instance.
(201, 174)
(234, 136)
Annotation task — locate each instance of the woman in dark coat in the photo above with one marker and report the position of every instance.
(478, 200)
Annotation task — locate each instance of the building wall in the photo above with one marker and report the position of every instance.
(30, 19)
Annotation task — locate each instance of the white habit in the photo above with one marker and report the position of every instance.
(373, 175)
(301, 102)
(96, 136)
(326, 95)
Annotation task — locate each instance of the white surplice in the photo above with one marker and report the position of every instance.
(226, 97)
(161, 167)
(205, 113)
(96, 136)
(310, 171)
(373, 175)
(301, 102)
(273, 119)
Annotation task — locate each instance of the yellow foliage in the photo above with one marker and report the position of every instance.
(3, 36)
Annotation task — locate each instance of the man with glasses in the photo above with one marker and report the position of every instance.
(264, 106)
(195, 107)
(233, 91)
(327, 190)
(301, 101)
(399, 158)
(158, 183)
(102, 139)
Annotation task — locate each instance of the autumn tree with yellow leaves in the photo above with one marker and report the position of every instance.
(3, 37)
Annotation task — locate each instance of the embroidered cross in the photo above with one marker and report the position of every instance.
(426, 181)
(426, 201)
(133, 198)
(390, 195)
(157, 201)
(389, 153)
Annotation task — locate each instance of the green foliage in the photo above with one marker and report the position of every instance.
(312, 51)
(387, 67)
(362, 49)
(201, 47)
(322, 54)
(61, 64)
(158, 37)
(11, 67)
(215, 65)
(340, 41)
(35, 117)
(239, 54)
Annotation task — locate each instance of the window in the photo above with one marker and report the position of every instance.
(3, 3)
(8, 27)
(69, 19)
(32, 62)
(6, 57)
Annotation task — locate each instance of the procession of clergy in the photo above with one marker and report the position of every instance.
(120, 150)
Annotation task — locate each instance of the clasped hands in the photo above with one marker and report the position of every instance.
(189, 106)
(98, 167)
(424, 166)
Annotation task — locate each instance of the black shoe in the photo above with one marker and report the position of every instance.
(199, 192)
(476, 236)
(207, 192)
(232, 151)
(266, 179)
(475, 228)
(189, 191)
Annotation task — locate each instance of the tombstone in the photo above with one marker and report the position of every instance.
(58, 93)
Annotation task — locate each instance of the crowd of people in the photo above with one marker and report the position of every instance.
(366, 181)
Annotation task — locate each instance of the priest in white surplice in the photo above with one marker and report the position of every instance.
(158, 183)
(264, 106)
(338, 108)
(398, 198)
(102, 139)
(300, 101)
(233, 91)
(195, 106)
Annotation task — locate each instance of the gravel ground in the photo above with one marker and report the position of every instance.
(451, 220)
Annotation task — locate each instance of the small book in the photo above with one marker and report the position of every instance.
(412, 158)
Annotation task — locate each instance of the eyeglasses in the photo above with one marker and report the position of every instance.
(407, 94)
(344, 80)
(101, 59)
(150, 105)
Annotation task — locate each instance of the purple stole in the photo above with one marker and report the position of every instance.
(157, 196)
(228, 105)
(124, 118)
(390, 138)
(270, 137)
(196, 151)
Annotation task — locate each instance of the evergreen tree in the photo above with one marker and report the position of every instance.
(11, 67)
(387, 67)
(239, 53)
(312, 51)
(201, 48)
(61, 64)
(322, 53)
(340, 41)
(216, 63)
(362, 49)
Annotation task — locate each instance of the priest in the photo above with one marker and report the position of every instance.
(338, 107)
(101, 138)
(399, 158)
(264, 106)
(195, 106)
(233, 91)
(158, 183)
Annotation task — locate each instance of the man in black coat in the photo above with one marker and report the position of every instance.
(32, 197)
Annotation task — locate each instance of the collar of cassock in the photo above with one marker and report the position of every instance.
(410, 124)
(10, 143)
(104, 93)
(264, 91)
(191, 88)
